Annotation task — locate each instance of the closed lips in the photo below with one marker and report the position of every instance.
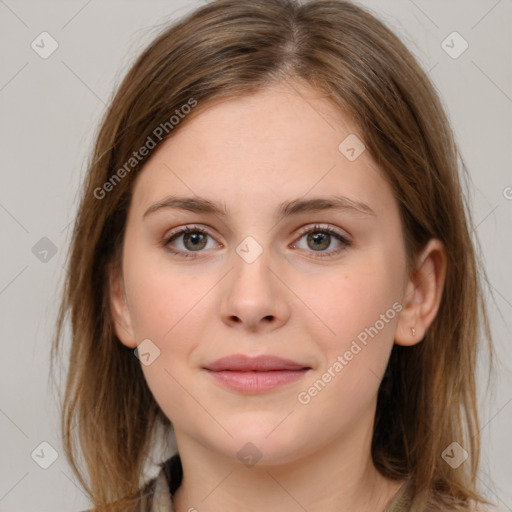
(242, 363)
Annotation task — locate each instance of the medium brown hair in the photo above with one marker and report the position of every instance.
(229, 48)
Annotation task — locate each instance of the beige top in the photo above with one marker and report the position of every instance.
(162, 497)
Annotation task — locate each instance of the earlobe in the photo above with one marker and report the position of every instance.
(422, 296)
(121, 315)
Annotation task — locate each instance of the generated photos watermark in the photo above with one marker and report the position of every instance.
(156, 136)
(357, 345)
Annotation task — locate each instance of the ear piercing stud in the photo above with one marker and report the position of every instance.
(413, 332)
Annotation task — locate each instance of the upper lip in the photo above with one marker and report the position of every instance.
(243, 363)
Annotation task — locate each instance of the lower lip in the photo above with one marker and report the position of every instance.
(257, 382)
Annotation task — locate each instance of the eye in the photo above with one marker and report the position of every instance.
(194, 239)
(319, 238)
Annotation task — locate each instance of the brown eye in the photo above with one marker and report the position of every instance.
(318, 239)
(194, 241)
(186, 241)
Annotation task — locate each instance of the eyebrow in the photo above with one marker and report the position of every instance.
(199, 204)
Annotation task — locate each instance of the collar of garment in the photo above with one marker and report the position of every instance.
(162, 500)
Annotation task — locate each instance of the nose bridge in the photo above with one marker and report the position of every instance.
(252, 294)
(252, 276)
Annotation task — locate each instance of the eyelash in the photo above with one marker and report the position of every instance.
(314, 229)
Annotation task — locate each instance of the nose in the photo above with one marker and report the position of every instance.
(253, 297)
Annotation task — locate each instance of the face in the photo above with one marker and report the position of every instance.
(273, 272)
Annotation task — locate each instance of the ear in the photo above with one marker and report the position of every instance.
(422, 295)
(121, 315)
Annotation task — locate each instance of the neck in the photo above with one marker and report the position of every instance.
(336, 479)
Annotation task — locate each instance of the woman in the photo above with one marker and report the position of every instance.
(272, 261)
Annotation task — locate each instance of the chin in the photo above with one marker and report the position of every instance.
(264, 444)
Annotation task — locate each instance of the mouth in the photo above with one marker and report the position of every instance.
(254, 375)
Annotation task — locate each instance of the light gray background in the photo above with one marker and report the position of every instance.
(50, 110)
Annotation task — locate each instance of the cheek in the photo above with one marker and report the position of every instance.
(155, 307)
(164, 308)
(361, 310)
(358, 308)
(162, 296)
(346, 304)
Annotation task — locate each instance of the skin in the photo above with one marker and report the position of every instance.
(252, 154)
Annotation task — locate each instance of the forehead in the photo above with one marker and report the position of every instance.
(285, 141)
